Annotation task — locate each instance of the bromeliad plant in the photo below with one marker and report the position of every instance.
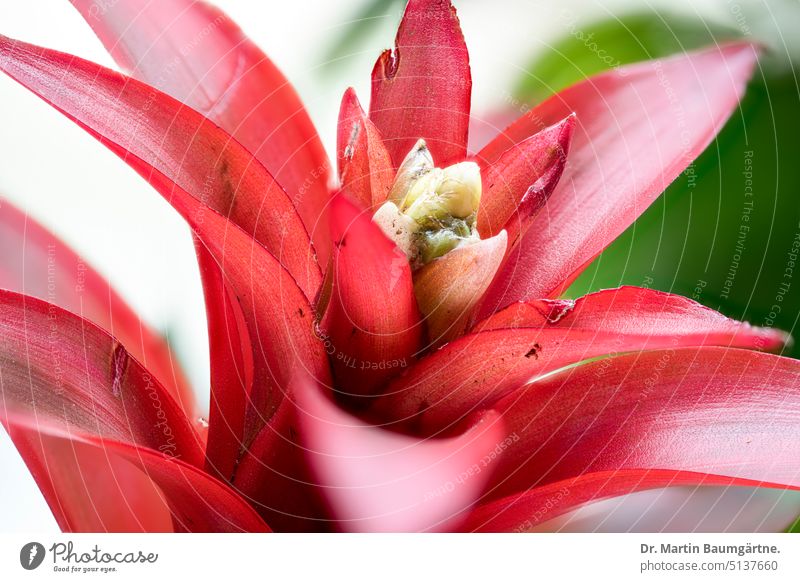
(389, 352)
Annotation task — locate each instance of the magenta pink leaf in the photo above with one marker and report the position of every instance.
(422, 88)
(637, 128)
(376, 480)
(196, 53)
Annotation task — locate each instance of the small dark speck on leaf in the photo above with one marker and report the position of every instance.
(534, 351)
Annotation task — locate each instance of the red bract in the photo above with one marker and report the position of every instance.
(361, 380)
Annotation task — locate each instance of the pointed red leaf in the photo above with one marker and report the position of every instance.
(637, 128)
(273, 476)
(272, 473)
(278, 317)
(638, 311)
(232, 369)
(239, 176)
(199, 503)
(89, 489)
(376, 480)
(280, 332)
(365, 169)
(35, 262)
(528, 341)
(372, 322)
(64, 375)
(139, 123)
(724, 411)
(196, 53)
(513, 179)
(523, 511)
(276, 310)
(422, 88)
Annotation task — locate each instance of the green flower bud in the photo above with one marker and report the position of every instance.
(436, 243)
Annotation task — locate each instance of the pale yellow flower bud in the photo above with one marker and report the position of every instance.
(460, 188)
(454, 192)
(433, 210)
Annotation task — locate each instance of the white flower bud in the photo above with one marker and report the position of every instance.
(416, 164)
(398, 227)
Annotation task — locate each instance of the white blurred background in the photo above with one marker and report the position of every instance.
(71, 184)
